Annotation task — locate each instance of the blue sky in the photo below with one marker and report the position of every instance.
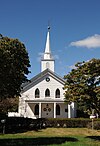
(75, 29)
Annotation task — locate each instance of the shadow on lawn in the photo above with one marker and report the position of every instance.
(94, 137)
(42, 141)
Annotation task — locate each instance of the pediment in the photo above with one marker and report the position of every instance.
(40, 77)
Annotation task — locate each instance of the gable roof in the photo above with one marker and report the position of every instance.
(26, 86)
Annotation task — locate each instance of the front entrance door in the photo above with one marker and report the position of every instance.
(47, 110)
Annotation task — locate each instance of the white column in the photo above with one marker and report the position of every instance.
(73, 108)
(26, 105)
(54, 110)
(69, 111)
(40, 110)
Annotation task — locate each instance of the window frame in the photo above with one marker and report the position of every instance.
(37, 93)
(47, 93)
(57, 93)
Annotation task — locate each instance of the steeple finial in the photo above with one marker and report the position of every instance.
(48, 28)
(48, 25)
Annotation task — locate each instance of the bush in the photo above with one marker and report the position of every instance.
(96, 125)
(21, 124)
(3, 116)
(69, 123)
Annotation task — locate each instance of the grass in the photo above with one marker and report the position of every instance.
(53, 137)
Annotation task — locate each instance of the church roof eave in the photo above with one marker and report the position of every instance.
(45, 100)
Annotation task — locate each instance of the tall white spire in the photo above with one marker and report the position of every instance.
(47, 48)
(47, 53)
(47, 60)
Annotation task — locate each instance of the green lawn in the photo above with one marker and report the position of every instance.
(53, 137)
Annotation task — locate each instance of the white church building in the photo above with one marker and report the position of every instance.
(43, 96)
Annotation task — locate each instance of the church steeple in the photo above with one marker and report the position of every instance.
(47, 60)
(47, 48)
(47, 53)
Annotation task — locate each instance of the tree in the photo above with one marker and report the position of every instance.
(9, 105)
(14, 64)
(83, 85)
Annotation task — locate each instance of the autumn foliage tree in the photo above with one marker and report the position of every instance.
(83, 86)
(14, 64)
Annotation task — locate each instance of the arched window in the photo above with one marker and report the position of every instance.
(47, 65)
(57, 94)
(37, 93)
(57, 109)
(47, 93)
(36, 109)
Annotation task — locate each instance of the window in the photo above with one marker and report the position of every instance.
(36, 109)
(57, 109)
(66, 110)
(47, 65)
(47, 93)
(37, 93)
(57, 93)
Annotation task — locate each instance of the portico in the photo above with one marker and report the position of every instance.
(47, 109)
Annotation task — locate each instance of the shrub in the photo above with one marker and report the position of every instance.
(96, 125)
(21, 124)
(69, 123)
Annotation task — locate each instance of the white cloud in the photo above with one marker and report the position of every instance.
(89, 42)
(40, 55)
(56, 57)
(72, 66)
(59, 50)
